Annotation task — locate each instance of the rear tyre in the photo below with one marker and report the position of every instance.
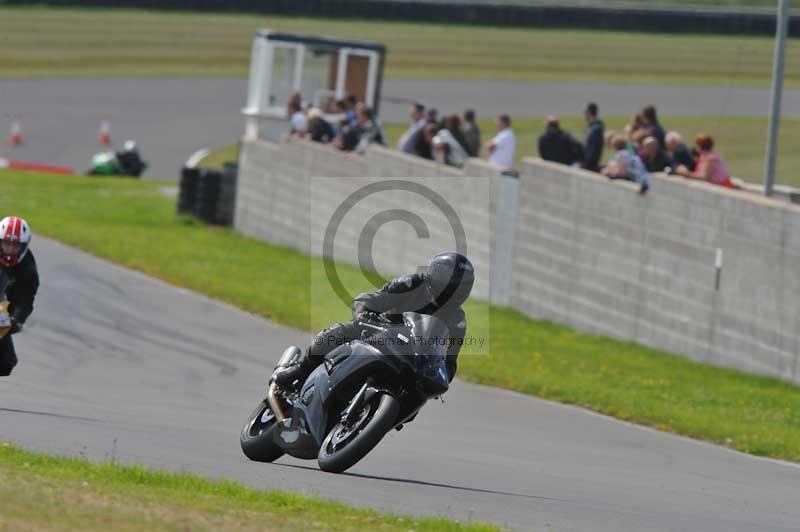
(257, 435)
(344, 446)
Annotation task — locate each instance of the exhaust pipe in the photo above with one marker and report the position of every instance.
(274, 403)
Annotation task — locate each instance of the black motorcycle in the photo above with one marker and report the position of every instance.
(351, 401)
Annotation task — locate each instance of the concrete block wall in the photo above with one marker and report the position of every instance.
(289, 192)
(595, 255)
(562, 244)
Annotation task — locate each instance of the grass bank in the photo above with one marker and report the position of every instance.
(131, 223)
(49, 42)
(44, 492)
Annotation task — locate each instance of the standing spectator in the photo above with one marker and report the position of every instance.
(593, 147)
(557, 145)
(627, 165)
(410, 138)
(472, 133)
(297, 120)
(502, 147)
(710, 165)
(679, 152)
(652, 128)
(366, 131)
(295, 100)
(432, 116)
(655, 158)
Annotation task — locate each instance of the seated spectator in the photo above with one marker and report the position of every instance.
(655, 159)
(452, 123)
(472, 133)
(366, 131)
(627, 165)
(297, 120)
(447, 150)
(424, 146)
(593, 147)
(409, 139)
(634, 127)
(557, 145)
(501, 148)
(679, 152)
(319, 129)
(295, 101)
(347, 113)
(710, 165)
(652, 128)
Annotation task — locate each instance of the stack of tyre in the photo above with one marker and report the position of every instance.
(208, 193)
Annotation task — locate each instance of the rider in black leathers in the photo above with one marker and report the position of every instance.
(440, 291)
(20, 267)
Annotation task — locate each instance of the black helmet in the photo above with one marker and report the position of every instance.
(451, 276)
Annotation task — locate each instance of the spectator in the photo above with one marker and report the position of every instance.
(319, 129)
(297, 120)
(710, 165)
(501, 148)
(452, 123)
(652, 128)
(347, 112)
(627, 165)
(424, 146)
(634, 127)
(472, 133)
(409, 140)
(295, 101)
(679, 152)
(366, 131)
(655, 158)
(593, 147)
(557, 145)
(432, 116)
(446, 148)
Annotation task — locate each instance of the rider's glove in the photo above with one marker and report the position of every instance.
(369, 316)
(15, 326)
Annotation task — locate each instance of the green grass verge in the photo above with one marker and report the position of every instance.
(49, 42)
(44, 492)
(131, 223)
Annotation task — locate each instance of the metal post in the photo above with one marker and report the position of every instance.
(777, 89)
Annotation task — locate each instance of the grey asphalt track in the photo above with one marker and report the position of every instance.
(116, 365)
(171, 118)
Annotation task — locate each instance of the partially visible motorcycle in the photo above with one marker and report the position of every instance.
(126, 162)
(5, 318)
(349, 403)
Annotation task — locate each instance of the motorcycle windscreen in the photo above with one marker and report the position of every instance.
(430, 339)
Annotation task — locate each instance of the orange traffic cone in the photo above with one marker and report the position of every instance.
(104, 136)
(15, 136)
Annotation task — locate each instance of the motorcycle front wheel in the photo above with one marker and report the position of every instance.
(257, 435)
(345, 445)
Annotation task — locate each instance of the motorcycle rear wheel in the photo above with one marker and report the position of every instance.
(344, 446)
(256, 438)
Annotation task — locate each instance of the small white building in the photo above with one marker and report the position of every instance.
(321, 70)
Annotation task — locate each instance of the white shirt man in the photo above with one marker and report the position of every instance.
(502, 147)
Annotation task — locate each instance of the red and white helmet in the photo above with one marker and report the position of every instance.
(14, 230)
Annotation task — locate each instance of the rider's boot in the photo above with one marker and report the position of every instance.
(299, 372)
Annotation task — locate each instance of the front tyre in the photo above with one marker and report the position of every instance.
(257, 435)
(346, 445)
